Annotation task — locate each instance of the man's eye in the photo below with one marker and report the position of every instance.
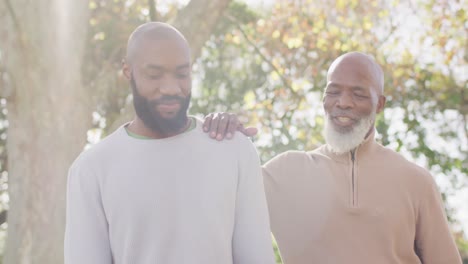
(361, 95)
(332, 92)
(154, 76)
(181, 75)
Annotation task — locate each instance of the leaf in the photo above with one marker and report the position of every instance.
(249, 99)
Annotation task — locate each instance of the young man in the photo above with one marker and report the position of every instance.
(152, 191)
(353, 200)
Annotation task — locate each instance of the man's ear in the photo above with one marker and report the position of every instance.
(381, 103)
(126, 70)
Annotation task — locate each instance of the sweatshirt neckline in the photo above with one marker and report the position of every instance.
(358, 151)
(123, 132)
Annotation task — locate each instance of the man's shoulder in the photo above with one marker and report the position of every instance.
(294, 154)
(241, 145)
(239, 140)
(290, 158)
(93, 154)
(404, 166)
(392, 156)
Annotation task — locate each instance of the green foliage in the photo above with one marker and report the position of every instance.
(276, 249)
(110, 24)
(3, 170)
(272, 71)
(3, 163)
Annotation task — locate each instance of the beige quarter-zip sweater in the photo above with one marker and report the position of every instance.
(372, 206)
(186, 199)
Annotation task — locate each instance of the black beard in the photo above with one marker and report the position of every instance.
(146, 111)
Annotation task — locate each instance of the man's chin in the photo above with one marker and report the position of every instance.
(344, 130)
(168, 110)
(342, 142)
(169, 117)
(343, 139)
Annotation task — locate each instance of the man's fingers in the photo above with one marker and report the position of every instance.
(222, 126)
(214, 126)
(207, 122)
(232, 126)
(249, 131)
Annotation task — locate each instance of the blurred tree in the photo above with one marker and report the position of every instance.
(3, 135)
(48, 62)
(42, 55)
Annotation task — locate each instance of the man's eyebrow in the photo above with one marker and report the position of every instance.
(159, 67)
(154, 66)
(184, 66)
(359, 88)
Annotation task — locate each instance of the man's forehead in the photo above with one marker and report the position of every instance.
(350, 74)
(156, 34)
(353, 72)
(357, 67)
(161, 52)
(353, 86)
(166, 43)
(151, 66)
(345, 86)
(352, 65)
(155, 30)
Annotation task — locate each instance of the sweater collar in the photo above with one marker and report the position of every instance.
(359, 150)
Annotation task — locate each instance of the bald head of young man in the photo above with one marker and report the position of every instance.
(158, 67)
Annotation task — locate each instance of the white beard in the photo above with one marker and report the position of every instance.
(341, 142)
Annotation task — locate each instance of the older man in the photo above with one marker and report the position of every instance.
(353, 200)
(152, 191)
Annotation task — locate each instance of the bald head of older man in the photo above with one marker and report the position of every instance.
(352, 98)
(158, 67)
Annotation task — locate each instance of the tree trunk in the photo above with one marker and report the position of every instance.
(48, 118)
(197, 21)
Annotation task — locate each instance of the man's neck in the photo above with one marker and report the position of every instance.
(372, 128)
(138, 127)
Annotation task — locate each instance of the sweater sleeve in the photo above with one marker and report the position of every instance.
(86, 234)
(434, 243)
(251, 239)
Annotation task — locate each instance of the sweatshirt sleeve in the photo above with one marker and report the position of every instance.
(434, 243)
(251, 239)
(86, 233)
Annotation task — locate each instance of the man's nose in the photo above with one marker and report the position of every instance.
(170, 86)
(345, 101)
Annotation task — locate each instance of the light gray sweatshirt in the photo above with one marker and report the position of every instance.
(183, 199)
